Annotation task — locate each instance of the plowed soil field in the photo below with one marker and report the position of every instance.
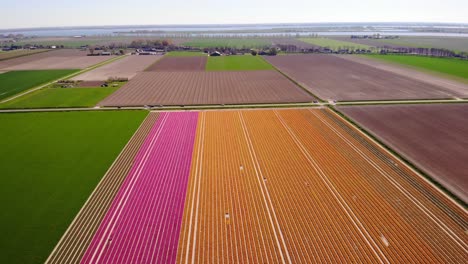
(334, 78)
(433, 137)
(59, 59)
(201, 88)
(174, 63)
(127, 67)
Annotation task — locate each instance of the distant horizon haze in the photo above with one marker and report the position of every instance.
(84, 13)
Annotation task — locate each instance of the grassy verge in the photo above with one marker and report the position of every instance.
(237, 63)
(448, 66)
(15, 82)
(50, 163)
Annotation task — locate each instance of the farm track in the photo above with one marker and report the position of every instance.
(282, 164)
(74, 242)
(143, 222)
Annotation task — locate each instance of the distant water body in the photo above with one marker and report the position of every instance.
(220, 31)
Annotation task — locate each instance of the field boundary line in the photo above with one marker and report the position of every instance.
(93, 192)
(126, 193)
(447, 194)
(418, 203)
(264, 189)
(24, 55)
(294, 81)
(349, 212)
(33, 89)
(196, 188)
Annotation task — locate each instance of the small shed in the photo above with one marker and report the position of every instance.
(215, 54)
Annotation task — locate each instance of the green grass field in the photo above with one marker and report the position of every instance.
(447, 66)
(49, 165)
(237, 63)
(334, 44)
(61, 97)
(15, 82)
(185, 54)
(228, 42)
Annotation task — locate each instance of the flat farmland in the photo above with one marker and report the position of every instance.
(433, 137)
(14, 82)
(228, 42)
(202, 88)
(59, 59)
(143, 222)
(50, 163)
(334, 78)
(179, 63)
(127, 67)
(448, 66)
(457, 85)
(186, 54)
(450, 43)
(75, 241)
(61, 97)
(264, 187)
(237, 63)
(292, 42)
(19, 53)
(334, 44)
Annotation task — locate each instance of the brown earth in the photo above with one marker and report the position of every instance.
(433, 137)
(90, 84)
(76, 240)
(172, 64)
(458, 88)
(126, 67)
(57, 59)
(334, 78)
(201, 88)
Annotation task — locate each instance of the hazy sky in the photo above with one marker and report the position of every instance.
(33, 13)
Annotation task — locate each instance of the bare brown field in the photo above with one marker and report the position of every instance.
(334, 78)
(172, 64)
(77, 238)
(86, 84)
(203, 88)
(457, 87)
(265, 188)
(19, 53)
(433, 137)
(59, 59)
(127, 67)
